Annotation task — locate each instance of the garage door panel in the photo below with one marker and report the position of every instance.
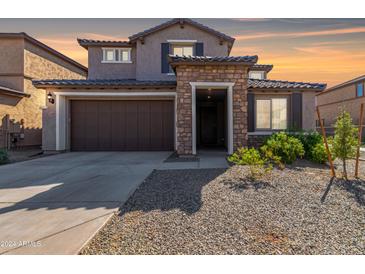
(104, 125)
(144, 125)
(118, 126)
(131, 121)
(168, 124)
(122, 125)
(156, 125)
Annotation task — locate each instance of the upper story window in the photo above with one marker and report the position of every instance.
(187, 50)
(360, 90)
(117, 55)
(271, 114)
(256, 75)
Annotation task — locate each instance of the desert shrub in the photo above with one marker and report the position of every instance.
(252, 158)
(319, 153)
(282, 149)
(3, 157)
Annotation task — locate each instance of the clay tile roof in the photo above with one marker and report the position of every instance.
(174, 59)
(100, 83)
(277, 84)
(262, 67)
(85, 43)
(181, 21)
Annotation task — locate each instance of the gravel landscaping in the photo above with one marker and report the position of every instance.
(215, 211)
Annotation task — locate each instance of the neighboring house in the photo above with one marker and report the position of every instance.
(22, 59)
(346, 96)
(172, 87)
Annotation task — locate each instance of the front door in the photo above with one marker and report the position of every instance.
(208, 122)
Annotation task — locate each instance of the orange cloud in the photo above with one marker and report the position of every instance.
(300, 34)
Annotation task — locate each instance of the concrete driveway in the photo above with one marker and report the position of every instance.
(55, 204)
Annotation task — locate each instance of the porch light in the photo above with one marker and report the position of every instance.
(50, 98)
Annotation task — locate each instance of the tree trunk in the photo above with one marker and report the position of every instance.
(344, 169)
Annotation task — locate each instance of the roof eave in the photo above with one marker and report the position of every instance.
(87, 44)
(284, 89)
(97, 86)
(14, 93)
(202, 63)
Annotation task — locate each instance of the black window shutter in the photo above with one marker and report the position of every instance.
(165, 50)
(251, 112)
(296, 107)
(199, 49)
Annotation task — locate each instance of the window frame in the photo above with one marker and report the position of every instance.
(118, 60)
(182, 45)
(271, 99)
(362, 84)
(262, 73)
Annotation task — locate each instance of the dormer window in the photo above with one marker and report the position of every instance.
(117, 55)
(257, 75)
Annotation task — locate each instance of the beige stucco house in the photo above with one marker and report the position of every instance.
(346, 96)
(22, 59)
(172, 87)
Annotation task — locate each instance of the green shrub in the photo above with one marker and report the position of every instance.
(3, 157)
(252, 158)
(281, 148)
(310, 140)
(319, 154)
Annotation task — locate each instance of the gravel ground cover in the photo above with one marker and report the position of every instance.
(215, 211)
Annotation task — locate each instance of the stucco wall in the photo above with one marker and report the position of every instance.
(332, 102)
(309, 110)
(11, 62)
(50, 64)
(34, 63)
(99, 70)
(330, 112)
(38, 67)
(149, 53)
(344, 93)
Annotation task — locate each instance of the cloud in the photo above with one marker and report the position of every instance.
(301, 34)
(252, 19)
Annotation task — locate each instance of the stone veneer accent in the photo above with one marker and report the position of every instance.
(210, 73)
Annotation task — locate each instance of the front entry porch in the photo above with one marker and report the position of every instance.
(212, 116)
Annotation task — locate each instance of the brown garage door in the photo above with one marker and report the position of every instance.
(122, 125)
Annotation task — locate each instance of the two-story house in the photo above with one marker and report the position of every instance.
(22, 59)
(172, 87)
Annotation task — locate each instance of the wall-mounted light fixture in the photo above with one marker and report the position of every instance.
(50, 98)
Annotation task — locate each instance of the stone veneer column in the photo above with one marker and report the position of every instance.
(210, 73)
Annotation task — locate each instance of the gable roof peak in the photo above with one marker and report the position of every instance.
(181, 21)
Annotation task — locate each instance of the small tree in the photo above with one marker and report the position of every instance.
(344, 141)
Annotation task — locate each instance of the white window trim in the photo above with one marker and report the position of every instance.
(182, 41)
(120, 55)
(271, 129)
(258, 72)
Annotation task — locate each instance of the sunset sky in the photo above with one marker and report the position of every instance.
(315, 50)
